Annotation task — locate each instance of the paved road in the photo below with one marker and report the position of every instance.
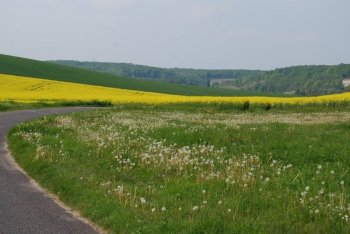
(23, 207)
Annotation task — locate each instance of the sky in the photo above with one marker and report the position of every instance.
(201, 34)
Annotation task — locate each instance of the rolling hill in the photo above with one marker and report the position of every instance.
(305, 80)
(38, 69)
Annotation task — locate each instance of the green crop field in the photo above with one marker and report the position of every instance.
(38, 69)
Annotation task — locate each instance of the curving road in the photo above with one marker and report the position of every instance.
(24, 207)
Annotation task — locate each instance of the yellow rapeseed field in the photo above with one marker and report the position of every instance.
(25, 89)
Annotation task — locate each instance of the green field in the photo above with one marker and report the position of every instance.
(38, 69)
(196, 170)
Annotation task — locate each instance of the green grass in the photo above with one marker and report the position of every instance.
(9, 106)
(130, 169)
(32, 68)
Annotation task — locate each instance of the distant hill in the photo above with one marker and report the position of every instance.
(309, 80)
(304, 80)
(32, 68)
(173, 75)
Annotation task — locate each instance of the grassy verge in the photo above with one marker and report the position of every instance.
(173, 169)
(8, 106)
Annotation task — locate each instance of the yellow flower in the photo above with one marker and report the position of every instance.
(25, 89)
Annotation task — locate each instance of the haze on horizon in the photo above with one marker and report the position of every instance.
(202, 34)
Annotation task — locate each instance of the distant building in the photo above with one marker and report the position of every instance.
(346, 82)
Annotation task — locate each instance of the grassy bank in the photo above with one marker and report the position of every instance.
(140, 169)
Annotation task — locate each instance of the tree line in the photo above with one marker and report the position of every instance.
(302, 80)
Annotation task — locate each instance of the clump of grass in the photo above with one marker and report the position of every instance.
(155, 170)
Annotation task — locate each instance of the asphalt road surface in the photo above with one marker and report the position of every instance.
(24, 207)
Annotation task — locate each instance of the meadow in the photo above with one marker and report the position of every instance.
(189, 169)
